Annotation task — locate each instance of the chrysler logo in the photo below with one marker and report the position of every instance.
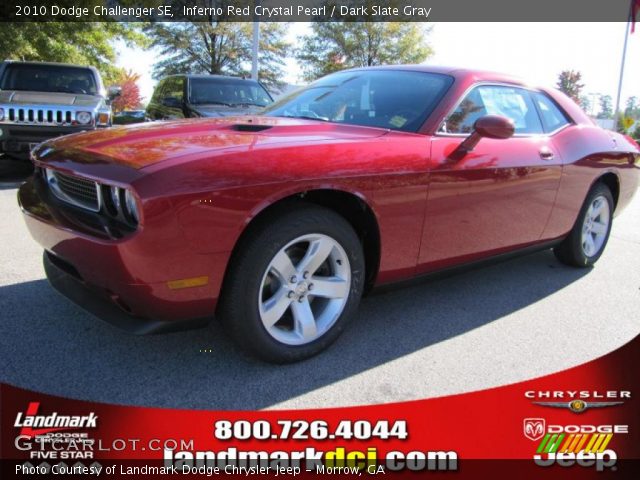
(534, 428)
(577, 406)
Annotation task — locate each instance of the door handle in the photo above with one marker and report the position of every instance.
(546, 153)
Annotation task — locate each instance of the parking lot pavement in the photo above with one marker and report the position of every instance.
(502, 324)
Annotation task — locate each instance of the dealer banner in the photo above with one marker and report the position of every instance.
(580, 423)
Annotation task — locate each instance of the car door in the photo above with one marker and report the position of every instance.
(497, 196)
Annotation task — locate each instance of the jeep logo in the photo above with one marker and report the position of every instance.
(606, 459)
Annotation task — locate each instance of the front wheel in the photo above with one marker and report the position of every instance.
(293, 284)
(589, 236)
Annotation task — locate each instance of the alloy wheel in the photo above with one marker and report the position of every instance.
(304, 289)
(595, 226)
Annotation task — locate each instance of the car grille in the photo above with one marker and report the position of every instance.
(38, 115)
(75, 190)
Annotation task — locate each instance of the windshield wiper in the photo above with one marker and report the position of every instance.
(215, 103)
(248, 104)
(305, 117)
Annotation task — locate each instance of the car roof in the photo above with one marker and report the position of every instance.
(468, 77)
(459, 73)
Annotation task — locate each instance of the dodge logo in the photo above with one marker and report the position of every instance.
(534, 428)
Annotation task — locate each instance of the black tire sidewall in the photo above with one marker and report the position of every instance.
(239, 310)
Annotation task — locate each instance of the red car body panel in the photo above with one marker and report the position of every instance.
(201, 182)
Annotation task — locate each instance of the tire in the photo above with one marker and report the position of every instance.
(576, 250)
(277, 317)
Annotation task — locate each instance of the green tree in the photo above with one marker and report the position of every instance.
(624, 124)
(585, 103)
(334, 46)
(218, 47)
(85, 43)
(606, 108)
(569, 83)
(632, 108)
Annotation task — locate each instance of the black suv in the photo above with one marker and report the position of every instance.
(185, 96)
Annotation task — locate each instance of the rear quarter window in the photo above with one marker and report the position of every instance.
(553, 118)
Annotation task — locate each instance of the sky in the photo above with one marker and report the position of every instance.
(535, 51)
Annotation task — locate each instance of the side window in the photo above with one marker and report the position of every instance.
(552, 117)
(158, 92)
(173, 88)
(511, 102)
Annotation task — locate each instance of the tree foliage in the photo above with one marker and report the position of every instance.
(625, 123)
(606, 108)
(129, 98)
(585, 103)
(218, 47)
(83, 43)
(334, 46)
(632, 108)
(569, 83)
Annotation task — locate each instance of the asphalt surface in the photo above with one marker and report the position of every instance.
(497, 325)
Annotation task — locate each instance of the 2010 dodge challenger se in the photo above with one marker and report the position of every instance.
(278, 222)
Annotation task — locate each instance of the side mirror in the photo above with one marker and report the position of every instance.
(113, 92)
(171, 102)
(489, 126)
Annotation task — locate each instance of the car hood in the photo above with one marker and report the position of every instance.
(48, 98)
(142, 145)
(224, 111)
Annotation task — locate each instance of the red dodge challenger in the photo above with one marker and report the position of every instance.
(278, 223)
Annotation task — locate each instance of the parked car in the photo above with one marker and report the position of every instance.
(279, 222)
(41, 100)
(188, 96)
(127, 117)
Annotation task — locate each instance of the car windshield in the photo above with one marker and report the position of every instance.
(227, 91)
(49, 78)
(398, 100)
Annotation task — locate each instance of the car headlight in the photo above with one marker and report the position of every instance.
(1, 114)
(130, 206)
(120, 203)
(114, 194)
(84, 118)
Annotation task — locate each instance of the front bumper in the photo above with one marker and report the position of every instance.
(17, 140)
(125, 281)
(94, 301)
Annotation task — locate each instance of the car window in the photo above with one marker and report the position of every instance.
(227, 91)
(157, 93)
(552, 117)
(173, 88)
(49, 78)
(511, 102)
(397, 100)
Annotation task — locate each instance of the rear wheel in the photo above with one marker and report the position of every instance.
(589, 236)
(293, 284)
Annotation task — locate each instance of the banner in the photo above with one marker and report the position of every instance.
(313, 11)
(580, 423)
